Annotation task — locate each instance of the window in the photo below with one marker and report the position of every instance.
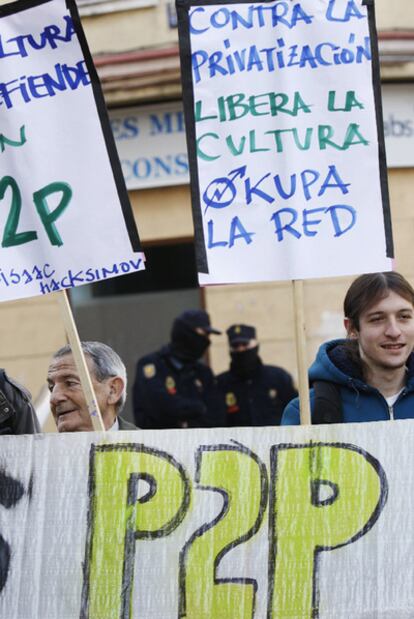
(168, 267)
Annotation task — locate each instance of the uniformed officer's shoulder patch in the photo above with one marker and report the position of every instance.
(230, 399)
(170, 385)
(273, 393)
(149, 370)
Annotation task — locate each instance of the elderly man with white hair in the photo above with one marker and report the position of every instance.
(109, 380)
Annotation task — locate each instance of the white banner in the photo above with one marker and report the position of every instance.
(243, 523)
(65, 218)
(285, 140)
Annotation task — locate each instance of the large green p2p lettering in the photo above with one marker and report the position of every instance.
(237, 474)
(323, 496)
(119, 516)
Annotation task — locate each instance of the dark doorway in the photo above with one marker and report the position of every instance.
(133, 313)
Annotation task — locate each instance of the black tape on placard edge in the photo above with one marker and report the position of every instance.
(106, 130)
(376, 84)
(23, 5)
(19, 6)
(182, 7)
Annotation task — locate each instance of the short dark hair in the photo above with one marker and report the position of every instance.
(370, 288)
(106, 364)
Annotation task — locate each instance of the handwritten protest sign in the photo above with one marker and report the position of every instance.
(65, 219)
(284, 134)
(246, 523)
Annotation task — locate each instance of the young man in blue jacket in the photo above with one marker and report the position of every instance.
(370, 375)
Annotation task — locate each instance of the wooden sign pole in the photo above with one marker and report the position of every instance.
(80, 361)
(300, 332)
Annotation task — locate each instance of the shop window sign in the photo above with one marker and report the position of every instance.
(151, 144)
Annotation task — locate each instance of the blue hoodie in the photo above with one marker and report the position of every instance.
(360, 402)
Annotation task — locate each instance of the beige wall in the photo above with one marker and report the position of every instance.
(390, 15)
(137, 29)
(30, 331)
(163, 213)
(401, 190)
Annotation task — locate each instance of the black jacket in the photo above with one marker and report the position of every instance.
(258, 400)
(17, 415)
(168, 393)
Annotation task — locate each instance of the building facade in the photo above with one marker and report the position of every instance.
(134, 44)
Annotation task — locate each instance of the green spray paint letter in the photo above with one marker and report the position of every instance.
(323, 496)
(240, 478)
(119, 516)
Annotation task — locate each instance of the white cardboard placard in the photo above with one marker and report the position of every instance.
(285, 139)
(65, 219)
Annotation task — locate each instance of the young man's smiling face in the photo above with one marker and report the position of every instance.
(386, 333)
(67, 400)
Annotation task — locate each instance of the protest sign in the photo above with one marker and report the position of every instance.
(65, 218)
(241, 523)
(285, 139)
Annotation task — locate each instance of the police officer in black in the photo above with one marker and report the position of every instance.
(172, 388)
(255, 394)
(17, 415)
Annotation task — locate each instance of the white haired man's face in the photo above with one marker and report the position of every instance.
(67, 400)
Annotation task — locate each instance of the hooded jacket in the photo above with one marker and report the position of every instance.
(360, 402)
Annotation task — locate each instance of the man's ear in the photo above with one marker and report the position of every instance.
(116, 387)
(351, 331)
